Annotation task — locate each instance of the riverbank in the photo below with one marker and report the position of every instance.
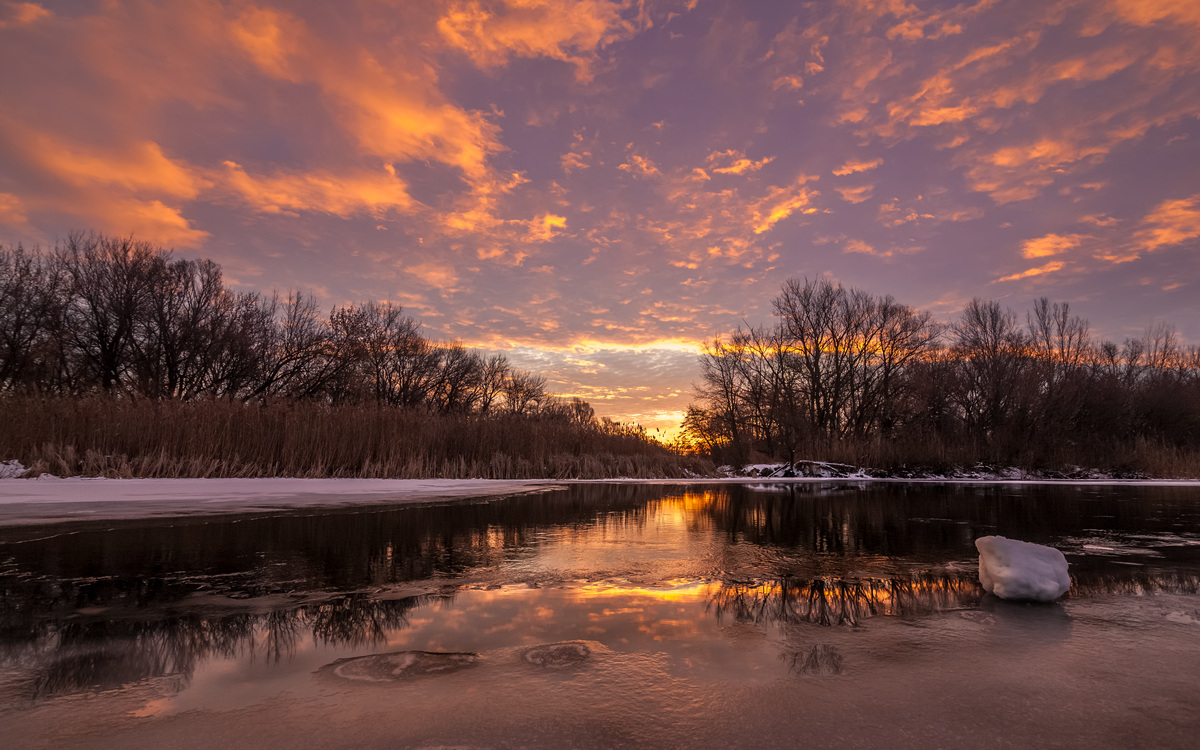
(53, 500)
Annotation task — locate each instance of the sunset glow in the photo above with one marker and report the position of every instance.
(595, 187)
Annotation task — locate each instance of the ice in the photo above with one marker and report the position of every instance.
(1022, 571)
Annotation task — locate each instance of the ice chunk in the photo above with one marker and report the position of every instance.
(1011, 569)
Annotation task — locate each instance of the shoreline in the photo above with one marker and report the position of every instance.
(46, 501)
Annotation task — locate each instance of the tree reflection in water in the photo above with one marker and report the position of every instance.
(92, 654)
(849, 601)
(827, 601)
(819, 659)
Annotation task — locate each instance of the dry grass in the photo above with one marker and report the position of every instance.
(122, 438)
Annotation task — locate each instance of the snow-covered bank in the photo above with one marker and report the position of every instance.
(52, 500)
(979, 472)
(855, 479)
(37, 501)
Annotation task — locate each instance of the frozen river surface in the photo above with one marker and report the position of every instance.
(823, 615)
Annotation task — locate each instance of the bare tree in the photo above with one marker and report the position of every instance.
(523, 392)
(491, 382)
(33, 296)
(993, 367)
(110, 283)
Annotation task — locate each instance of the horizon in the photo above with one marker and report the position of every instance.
(595, 190)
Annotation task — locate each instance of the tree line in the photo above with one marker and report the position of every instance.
(103, 315)
(843, 367)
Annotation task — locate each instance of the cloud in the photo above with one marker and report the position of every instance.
(393, 111)
(435, 274)
(577, 157)
(501, 255)
(15, 14)
(13, 213)
(1051, 244)
(735, 162)
(856, 194)
(490, 33)
(858, 246)
(892, 214)
(857, 165)
(638, 165)
(542, 228)
(139, 166)
(1050, 267)
(1015, 112)
(343, 195)
(374, 105)
(1151, 12)
(131, 189)
(1171, 222)
(780, 203)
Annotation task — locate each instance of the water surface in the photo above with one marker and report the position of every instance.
(846, 613)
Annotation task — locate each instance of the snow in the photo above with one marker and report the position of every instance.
(11, 469)
(810, 469)
(1023, 571)
(48, 499)
(53, 500)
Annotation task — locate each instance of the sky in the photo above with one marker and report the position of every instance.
(597, 187)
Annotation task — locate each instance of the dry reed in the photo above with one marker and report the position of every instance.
(143, 438)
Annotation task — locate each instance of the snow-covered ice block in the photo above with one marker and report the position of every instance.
(1011, 569)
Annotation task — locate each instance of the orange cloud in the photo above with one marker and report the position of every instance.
(22, 14)
(434, 274)
(271, 38)
(960, 94)
(856, 194)
(894, 215)
(780, 203)
(1051, 244)
(1050, 267)
(489, 33)
(320, 191)
(858, 246)
(1149, 12)
(542, 228)
(12, 212)
(736, 162)
(501, 255)
(791, 83)
(639, 165)
(1019, 172)
(138, 167)
(1172, 222)
(154, 221)
(117, 189)
(392, 108)
(914, 24)
(856, 165)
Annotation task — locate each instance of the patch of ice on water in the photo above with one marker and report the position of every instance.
(1182, 619)
(1023, 571)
